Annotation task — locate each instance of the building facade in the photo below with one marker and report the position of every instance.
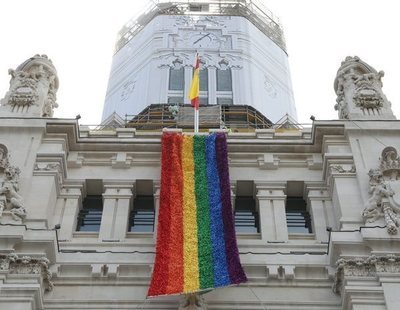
(242, 50)
(316, 208)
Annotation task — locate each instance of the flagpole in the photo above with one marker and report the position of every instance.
(196, 120)
(194, 93)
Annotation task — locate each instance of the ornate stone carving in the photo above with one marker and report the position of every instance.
(33, 88)
(269, 86)
(358, 87)
(192, 302)
(9, 186)
(364, 267)
(13, 264)
(340, 169)
(384, 189)
(127, 89)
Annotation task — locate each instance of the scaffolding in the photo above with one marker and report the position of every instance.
(253, 10)
(232, 117)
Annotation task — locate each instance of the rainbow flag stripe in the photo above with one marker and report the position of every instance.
(196, 241)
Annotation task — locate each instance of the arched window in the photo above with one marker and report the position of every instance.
(224, 77)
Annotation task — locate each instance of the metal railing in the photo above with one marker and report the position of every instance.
(253, 10)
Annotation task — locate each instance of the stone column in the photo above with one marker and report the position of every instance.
(164, 84)
(348, 204)
(271, 208)
(72, 200)
(212, 85)
(367, 283)
(116, 206)
(24, 280)
(233, 196)
(156, 190)
(320, 216)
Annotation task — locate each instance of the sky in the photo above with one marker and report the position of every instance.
(79, 37)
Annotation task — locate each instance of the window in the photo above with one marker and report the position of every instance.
(176, 78)
(89, 217)
(203, 79)
(224, 79)
(203, 100)
(246, 216)
(297, 217)
(141, 218)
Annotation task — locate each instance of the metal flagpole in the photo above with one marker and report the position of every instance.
(196, 120)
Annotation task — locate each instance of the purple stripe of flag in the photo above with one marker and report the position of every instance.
(235, 269)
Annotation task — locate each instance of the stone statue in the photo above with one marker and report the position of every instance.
(33, 88)
(358, 87)
(384, 186)
(9, 197)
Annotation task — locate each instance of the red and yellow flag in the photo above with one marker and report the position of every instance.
(195, 86)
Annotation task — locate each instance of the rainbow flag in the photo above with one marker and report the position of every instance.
(196, 241)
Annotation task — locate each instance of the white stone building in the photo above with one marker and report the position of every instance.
(316, 208)
(242, 50)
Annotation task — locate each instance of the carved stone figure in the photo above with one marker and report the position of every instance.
(33, 88)
(192, 302)
(9, 197)
(384, 187)
(358, 87)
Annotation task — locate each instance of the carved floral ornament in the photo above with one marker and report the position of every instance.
(10, 200)
(384, 191)
(14, 264)
(370, 266)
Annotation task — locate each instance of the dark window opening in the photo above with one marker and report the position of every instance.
(203, 75)
(297, 217)
(224, 80)
(176, 79)
(246, 216)
(141, 218)
(89, 217)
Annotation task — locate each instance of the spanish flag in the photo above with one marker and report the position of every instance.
(195, 86)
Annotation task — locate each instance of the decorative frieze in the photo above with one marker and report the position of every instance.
(13, 264)
(50, 168)
(343, 169)
(370, 266)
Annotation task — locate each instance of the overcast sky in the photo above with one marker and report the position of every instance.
(79, 37)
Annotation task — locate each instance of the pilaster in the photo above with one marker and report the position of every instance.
(156, 191)
(71, 199)
(271, 205)
(320, 208)
(116, 205)
(212, 85)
